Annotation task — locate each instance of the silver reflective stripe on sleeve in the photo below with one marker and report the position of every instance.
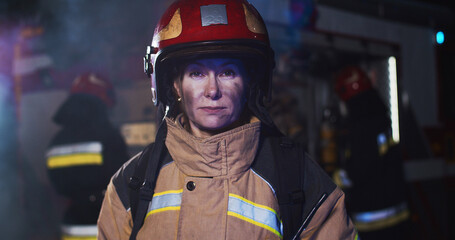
(79, 230)
(257, 214)
(82, 147)
(165, 201)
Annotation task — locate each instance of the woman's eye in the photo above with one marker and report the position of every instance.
(196, 74)
(228, 74)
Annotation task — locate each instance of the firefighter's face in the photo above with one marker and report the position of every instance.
(212, 92)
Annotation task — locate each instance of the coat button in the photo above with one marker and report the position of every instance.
(190, 185)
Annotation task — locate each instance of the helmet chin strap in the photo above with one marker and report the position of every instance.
(165, 112)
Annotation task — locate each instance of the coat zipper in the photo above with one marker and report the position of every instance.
(310, 216)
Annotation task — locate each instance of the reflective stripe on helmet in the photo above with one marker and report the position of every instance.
(213, 14)
(173, 29)
(253, 23)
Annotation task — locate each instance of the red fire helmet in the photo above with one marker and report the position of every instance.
(94, 84)
(351, 81)
(207, 28)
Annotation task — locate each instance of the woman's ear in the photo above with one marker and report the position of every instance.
(177, 89)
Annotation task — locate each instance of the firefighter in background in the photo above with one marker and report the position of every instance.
(329, 135)
(376, 198)
(85, 153)
(284, 112)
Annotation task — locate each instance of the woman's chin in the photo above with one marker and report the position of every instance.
(214, 127)
(213, 123)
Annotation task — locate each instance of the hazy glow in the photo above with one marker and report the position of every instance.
(393, 100)
(3, 99)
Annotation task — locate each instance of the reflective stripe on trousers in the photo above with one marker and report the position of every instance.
(380, 219)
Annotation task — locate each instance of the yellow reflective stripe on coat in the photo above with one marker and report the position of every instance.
(257, 214)
(165, 201)
(78, 154)
(79, 232)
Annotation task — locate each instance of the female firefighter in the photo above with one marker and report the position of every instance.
(218, 169)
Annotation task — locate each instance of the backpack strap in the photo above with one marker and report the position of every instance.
(143, 182)
(300, 185)
(291, 198)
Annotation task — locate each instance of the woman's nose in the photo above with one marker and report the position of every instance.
(212, 88)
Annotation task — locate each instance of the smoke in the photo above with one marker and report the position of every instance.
(9, 198)
(10, 207)
(79, 35)
(100, 34)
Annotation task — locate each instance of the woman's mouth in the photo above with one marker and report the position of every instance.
(212, 109)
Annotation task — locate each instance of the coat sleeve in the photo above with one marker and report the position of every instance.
(331, 220)
(114, 221)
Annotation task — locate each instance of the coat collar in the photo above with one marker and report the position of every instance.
(224, 154)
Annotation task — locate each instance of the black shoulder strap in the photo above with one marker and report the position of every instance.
(291, 198)
(143, 182)
(302, 186)
(138, 178)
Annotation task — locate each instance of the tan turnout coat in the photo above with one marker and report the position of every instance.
(210, 192)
